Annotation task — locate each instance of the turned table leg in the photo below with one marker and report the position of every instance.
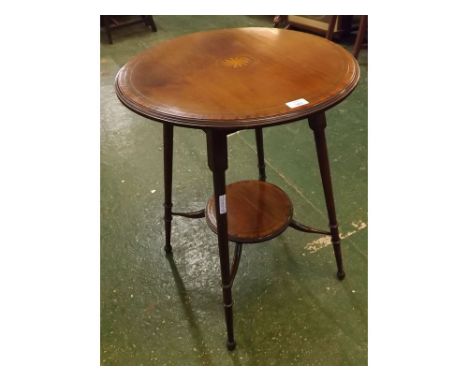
(168, 134)
(317, 123)
(218, 164)
(260, 154)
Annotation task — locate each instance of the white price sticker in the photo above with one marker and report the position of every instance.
(222, 204)
(297, 103)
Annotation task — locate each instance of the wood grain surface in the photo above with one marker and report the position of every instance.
(257, 211)
(237, 78)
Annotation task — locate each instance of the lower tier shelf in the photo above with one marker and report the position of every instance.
(256, 211)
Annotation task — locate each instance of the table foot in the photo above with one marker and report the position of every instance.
(168, 250)
(341, 275)
(231, 345)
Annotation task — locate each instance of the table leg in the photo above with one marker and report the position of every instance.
(218, 164)
(168, 134)
(317, 123)
(260, 154)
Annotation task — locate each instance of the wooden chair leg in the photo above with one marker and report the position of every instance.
(106, 20)
(280, 21)
(150, 22)
(331, 28)
(360, 36)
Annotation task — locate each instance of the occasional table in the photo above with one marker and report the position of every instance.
(223, 81)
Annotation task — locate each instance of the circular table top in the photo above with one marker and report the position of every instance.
(257, 211)
(237, 78)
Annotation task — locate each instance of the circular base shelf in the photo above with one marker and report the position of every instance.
(257, 211)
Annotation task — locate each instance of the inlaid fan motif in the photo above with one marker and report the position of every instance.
(237, 62)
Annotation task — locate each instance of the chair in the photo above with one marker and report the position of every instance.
(327, 26)
(332, 27)
(360, 35)
(109, 23)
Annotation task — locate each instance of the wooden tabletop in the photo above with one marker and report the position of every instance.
(257, 211)
(237, 78)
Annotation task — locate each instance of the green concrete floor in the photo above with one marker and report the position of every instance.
(289, 308)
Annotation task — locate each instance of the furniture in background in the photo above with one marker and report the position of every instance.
(223, 81)
(360, 33)
(331, 27)
(110, 23)
(341, 25)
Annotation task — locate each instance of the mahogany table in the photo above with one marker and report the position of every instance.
(227, 80)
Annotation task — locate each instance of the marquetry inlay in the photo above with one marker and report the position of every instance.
(237, 62)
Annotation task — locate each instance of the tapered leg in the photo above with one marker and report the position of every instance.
(317, 123)
(168, 134)
(218, 163)
(260, 155)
